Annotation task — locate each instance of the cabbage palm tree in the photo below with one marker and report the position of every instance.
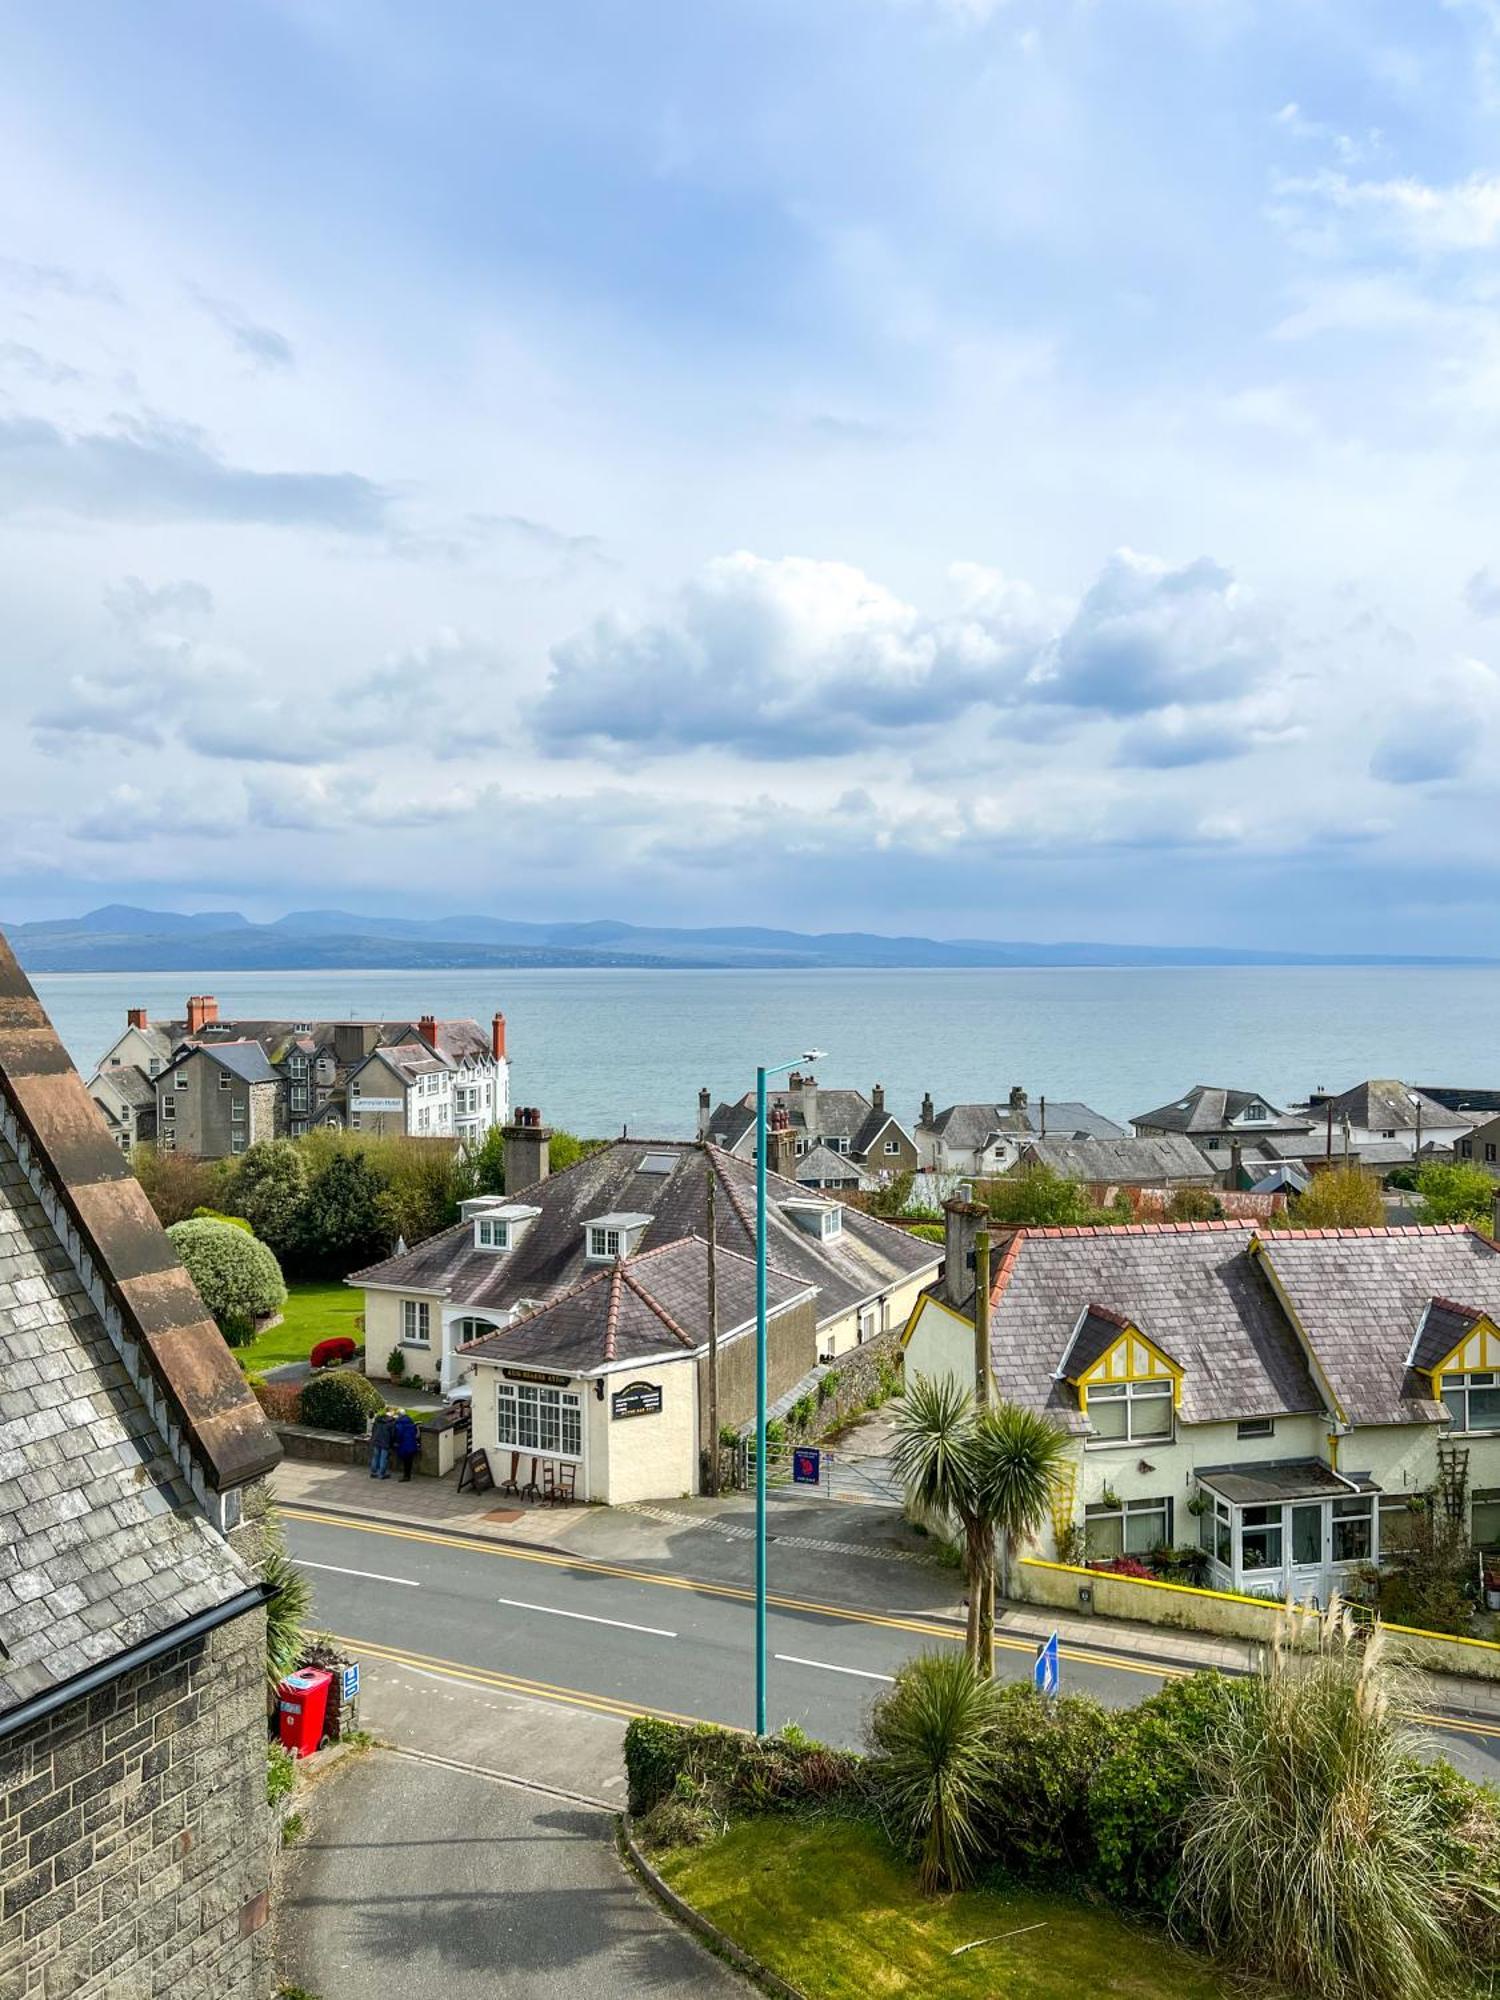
(992, 1470)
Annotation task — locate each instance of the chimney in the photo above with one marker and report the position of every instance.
(202, 1008)
(963, 1221)
(427, 1029)
(527, 1146)
(781, 1143)
(1017, 1098)
(1236, 1163)
(705, 1112)
(137, 1017)
(497, 1038)
(877, 1097)
(928, 1111)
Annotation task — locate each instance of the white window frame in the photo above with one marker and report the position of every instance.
(605, 1244)
(1255, 1427)
(491, 1234)
(1457, 1388)
(893, 1146)
(530, 1417)
(416, 1323)
(1157, 1505)
(169, 1107)
(832, 1224)
(224, 1079)
(1153, 1393)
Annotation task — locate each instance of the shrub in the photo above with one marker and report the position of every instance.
(395, 1364)
(281, 1401)
(1427, 1575)
(326, 1353)
(828, 1386)
(1047, 1754)
(281, 1773)
(1195, 1204)
(342, 1401)
(286, 1612)
(1310, 1853)
(930, 1232)
(218, 1215)
(654, 1751)
(1456, 1192)
(800, 1415)
(238, 1330)
(237, 1277)
(933, 1737)
(673, 1767)
(1123, 1566)
(1142, 1790)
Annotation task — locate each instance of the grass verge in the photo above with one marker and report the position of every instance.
(313, 1312)
(834, 1909)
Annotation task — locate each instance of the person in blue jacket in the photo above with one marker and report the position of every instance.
(407, 1442)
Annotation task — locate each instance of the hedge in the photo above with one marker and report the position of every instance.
(342, 1401)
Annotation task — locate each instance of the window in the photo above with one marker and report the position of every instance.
(237, 1111)
(1489, 1149)
(169, 1107)
(833, 1223)
(893, 1145)
(354, 1087)
(1123, 1412)
(1485, 1518)
(224, 1079)
(837, 1145)
(296, 1065)
(1255, 1427)
(537, 1419)
(1389, 1135)
(493, 1235)
(1307, 1534)
(299, 1097)
(416, 1316)
(866, 1325)
(604, 1242)
(236, 1142)
(1260, 1537)
(1466, 1148)
(1126, 1530)
(299, 1126)
(1216, 1534)
(1351, 1530)
(353, 1121)
(1401, 1518)
(1473, 1401)
(169, 1142)
(180, 1081)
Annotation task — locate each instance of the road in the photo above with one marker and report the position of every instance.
(619, 1640)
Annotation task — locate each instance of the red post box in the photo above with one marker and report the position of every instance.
(302, 1704)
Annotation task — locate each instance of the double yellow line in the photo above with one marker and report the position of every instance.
(606, 1705)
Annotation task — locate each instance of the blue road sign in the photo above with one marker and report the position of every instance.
(1047, 1672)
(806, 1465)
(350, 1687)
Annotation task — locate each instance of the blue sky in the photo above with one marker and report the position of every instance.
(1013, 468)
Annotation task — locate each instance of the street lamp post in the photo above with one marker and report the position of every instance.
(775, 1069)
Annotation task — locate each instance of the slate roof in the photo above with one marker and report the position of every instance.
(1190, 1288)
(1281, 1479)
(456, 1039)
(971, 1127)
(1383, 1104)
(246, 1060)
(864, 1259)
(1138, 1162)
(1095, 1334)
(1360, 1294)
(103, 1545)
(408, 1059)
(1209, 1108)
(1442, 1326)
(130, 1084)
(821, 1163)
(623, 1312)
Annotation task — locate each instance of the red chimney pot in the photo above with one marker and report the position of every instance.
(497, 1038)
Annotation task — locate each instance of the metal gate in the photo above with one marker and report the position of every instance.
(862, 1477)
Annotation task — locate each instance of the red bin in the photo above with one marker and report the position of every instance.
(302, 1706)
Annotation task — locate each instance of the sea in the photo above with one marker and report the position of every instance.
(601, 1051)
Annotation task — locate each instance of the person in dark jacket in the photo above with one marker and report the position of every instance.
(406, 1440)
(380, 1446)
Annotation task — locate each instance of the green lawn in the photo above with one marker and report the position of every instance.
(835, 1910)
(313, 1312)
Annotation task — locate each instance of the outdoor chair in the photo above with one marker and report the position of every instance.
(512, 1484)
(530, 1490)
(558, 1482)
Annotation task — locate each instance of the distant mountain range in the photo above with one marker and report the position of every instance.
(119, 938)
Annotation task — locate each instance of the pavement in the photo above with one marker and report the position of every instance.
(439, 1883)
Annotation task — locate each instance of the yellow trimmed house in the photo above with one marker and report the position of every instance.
(1288, 1403)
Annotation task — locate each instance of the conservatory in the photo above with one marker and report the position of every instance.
(1293, 1528)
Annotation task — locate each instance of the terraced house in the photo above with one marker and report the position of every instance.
(1285, 1401)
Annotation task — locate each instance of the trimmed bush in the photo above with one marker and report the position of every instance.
(237, 1277)
(336, 1349)
(1142, 1790)
(719, 1772)
(342, 1401)
(1047, 1755)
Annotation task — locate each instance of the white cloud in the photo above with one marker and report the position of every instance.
(1406, 213)
(1442, 732)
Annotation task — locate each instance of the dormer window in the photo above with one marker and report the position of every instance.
(605, 1242)
(606, 1237)
(490, 1234)
(819, 1218)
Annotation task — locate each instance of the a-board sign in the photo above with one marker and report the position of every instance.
(636, 1399)
(536, 1375)
(476, 1474)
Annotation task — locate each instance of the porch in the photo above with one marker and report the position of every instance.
(1291, 1528)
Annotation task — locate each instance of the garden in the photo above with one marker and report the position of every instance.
(1283, 1829)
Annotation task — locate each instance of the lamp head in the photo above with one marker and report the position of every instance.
(813, 1055)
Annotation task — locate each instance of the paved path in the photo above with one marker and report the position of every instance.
(436, 1884)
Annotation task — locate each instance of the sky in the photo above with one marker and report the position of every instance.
(984, 468)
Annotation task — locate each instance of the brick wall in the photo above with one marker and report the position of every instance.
(135, 1839)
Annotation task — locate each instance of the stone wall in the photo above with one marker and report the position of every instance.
(858, 1371)
(135, 1839)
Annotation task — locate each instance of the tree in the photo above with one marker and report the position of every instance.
(176, 1183)
(1038, 1197)
(1456, 1193)
(480, 1169)
(1340, 1198)
(992, 1471)
(342, 1225)
(418, 1198)
(237, 1277)
(1194, 1204)
(934, 1742)
(270, 1190)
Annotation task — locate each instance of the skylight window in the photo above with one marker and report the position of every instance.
(657, 1163)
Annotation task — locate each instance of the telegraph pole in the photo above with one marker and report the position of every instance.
(713, 1335)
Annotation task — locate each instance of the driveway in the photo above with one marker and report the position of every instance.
(441, 1884)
